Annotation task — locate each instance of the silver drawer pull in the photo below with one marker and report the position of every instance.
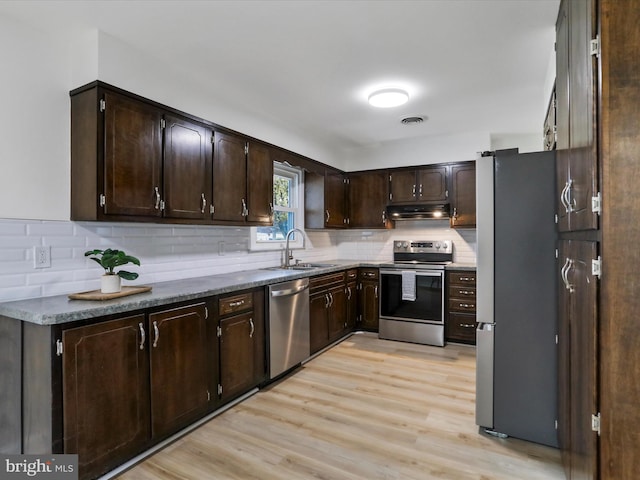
(466, 325)
(236, 304)
(466, 305)
(253, 328)
(143, 336)
(156, 332)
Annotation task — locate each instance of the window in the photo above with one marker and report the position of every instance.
(287, 210)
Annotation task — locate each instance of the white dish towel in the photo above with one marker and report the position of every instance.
(409, 285)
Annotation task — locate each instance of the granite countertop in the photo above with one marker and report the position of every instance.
(461, 266)
(60, 309)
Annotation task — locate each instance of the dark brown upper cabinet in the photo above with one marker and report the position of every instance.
(368, 198)
(242, 181)
(576, 110)
(427, 184)
(325, 200)
(463, 195)
(187, 169)
(134, 161)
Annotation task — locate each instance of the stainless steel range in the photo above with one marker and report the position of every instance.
(412, 291)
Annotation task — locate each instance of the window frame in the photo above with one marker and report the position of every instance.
(297, 197)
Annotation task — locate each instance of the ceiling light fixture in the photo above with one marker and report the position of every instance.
(388, 97)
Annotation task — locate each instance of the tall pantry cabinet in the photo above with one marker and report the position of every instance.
(598, 93)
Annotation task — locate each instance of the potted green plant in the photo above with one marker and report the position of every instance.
(109, 259)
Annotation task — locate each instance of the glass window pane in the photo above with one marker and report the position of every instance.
(282, 223)
(281, 191)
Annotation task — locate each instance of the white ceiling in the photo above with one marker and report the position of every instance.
(468, 65)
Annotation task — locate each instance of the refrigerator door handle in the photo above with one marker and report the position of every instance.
(484, 374)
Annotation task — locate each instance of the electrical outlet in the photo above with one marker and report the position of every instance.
(42, 257)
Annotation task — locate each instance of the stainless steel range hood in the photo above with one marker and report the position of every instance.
(418, 212)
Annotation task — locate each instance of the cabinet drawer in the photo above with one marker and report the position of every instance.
(235, 303)
(325, 281)
(467, 305)
(462, 278)
(462, 292)
(369, 274)
(461, 327)
(352, 274)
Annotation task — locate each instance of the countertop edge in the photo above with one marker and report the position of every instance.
(60, 309)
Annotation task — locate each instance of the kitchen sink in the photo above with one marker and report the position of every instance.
(303, 266)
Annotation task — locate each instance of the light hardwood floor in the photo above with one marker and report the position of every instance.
(365, 409)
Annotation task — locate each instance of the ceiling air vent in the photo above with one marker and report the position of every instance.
(412, 120)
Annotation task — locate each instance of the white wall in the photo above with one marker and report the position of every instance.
(34, 151)
(180, 251)
(418, 151)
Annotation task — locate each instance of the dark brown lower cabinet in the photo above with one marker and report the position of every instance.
(105, 385)
(327, 309)
(241, 335)
(578, 343)
(129, 381)
(178, 346)
(368, 299)
(460, 321)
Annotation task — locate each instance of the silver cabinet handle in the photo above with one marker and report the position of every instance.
(253, 328)
(271, 208)
(466, 325)
(465, 292)
(143, 336)
(326, 300)
(562, 197)
(156, 333)
(204, 202)
(384, 216)
(420, 189)
(413, 191)
(328, 215)
(348, 292)
(375, 291)
(455, 212)
(565, 274)
(466, 305)
(467, 279)
(236, 304)
(331, 299)
(157, 193)
(245, 211)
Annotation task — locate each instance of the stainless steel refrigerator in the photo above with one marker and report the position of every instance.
(516, 376)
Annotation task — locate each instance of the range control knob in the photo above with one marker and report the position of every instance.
(438, 245)
(405, 245)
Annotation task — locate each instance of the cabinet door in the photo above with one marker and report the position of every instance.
(432, 184)
(369, 310)
(352, 305)
(187, 169)
(318, 326)
(335, 201)
(578, 340)
(105, 384)
(402, 186)
(237, 355)
(576, 92)
(582, 111)
(179, 367)
(583, 341)
(461, 327)
(337, 312)
(132, 157)
(229, 178)
(463, 195)
(368, 197)
(259, 185)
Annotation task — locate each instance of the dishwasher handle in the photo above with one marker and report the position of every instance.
(289, 291)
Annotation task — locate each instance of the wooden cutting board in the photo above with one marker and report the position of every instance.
(98, 295)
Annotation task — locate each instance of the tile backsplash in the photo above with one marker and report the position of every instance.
(171, 252)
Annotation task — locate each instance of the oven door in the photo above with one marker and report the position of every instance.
(428, 306)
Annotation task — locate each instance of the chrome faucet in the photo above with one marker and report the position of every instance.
(287, 252)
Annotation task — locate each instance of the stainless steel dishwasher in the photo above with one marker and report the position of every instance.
(289, 342)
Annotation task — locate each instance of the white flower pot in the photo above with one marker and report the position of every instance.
(110, 284)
